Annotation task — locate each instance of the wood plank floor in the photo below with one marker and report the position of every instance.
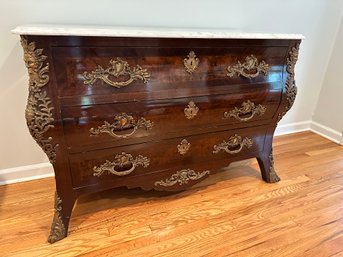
(233, 213)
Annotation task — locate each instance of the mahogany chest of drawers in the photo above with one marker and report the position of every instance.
(153, 112)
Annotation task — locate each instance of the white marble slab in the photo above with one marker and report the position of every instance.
(159, 32)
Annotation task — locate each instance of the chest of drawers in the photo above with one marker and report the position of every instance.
(158, 112)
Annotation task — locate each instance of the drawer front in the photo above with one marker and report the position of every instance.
(176, 178)
(161, 72)
(119, 163)
(107, 125)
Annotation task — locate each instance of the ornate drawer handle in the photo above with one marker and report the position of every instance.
(248, 108)
(182, 177)
(125, 164)
(234, 145)
(191, 110)
(116, 69)
(191, 63)
(122, 122)
(249, 69)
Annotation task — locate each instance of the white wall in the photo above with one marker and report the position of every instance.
(329, 109)
(318, 20)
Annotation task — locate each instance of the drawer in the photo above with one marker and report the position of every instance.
(108, 125)
(119, 163)
(98, 73)
(176, 178)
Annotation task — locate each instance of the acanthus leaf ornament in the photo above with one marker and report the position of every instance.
(191, 63)
(116, 69)
(38, 112)
(58, 230)
(182, 177)
(290, 87)
(122, 165)
(122, 122)
(251, 68)
(246, 112)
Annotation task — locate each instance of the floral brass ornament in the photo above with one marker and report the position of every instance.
(183, 147)
(291, 88)
(117, 68)
(182, 177)
(246, 112)
(122, 165)
(38, 112)
(251, 68)
(191, 110)
(122, 122)
(234, 145)
(191, 63)
(58, 230)
(272, 174)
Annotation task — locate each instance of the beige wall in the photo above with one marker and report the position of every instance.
(318, 20)
(329, 109)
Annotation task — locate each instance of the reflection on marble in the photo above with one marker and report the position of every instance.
(159, 32)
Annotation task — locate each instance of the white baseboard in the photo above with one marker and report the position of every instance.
(44, 170)
(26, 173)
(327, 132)
(293, 128)
(324, 131)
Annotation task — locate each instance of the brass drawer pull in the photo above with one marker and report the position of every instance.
(182, 177)
(234, 145)
(246, 112)
(122, 122)
(251, 68)
(117, 68)
(122, 165)
(191, 110)
(191, 63)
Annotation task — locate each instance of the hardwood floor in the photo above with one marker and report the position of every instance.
(233, 213)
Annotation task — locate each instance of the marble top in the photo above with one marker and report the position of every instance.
(152, 32)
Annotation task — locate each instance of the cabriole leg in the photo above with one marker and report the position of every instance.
(266, 163)
(60, 222)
